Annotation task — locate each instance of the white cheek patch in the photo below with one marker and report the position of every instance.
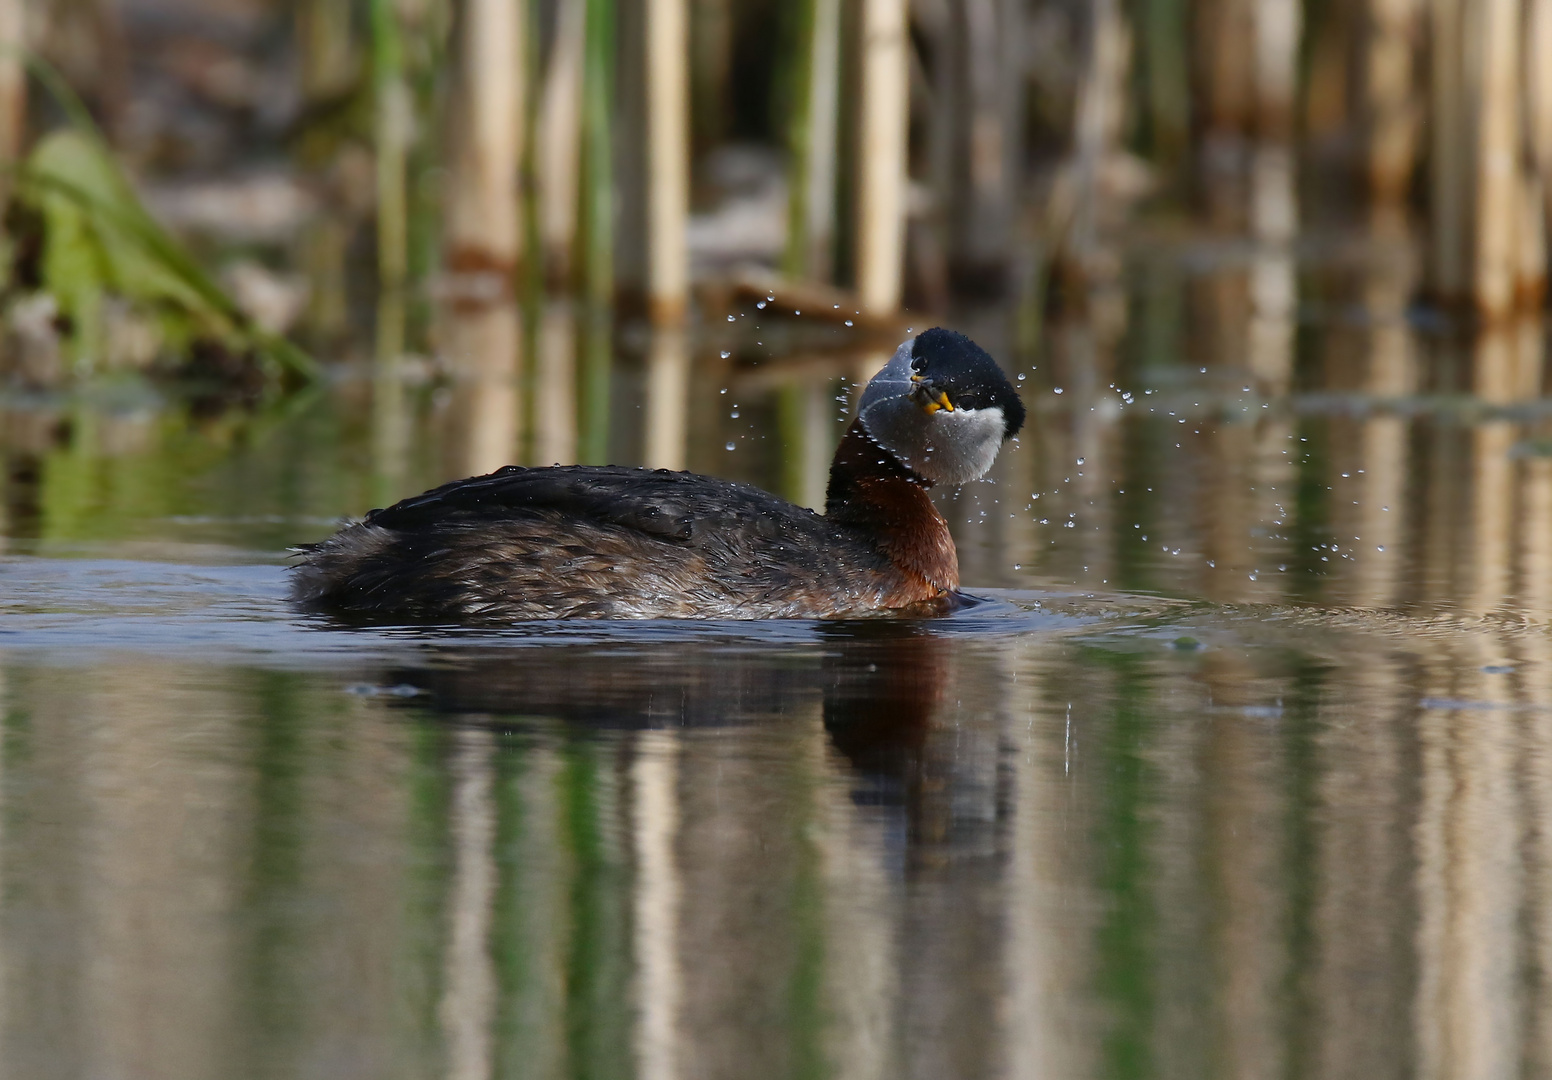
(944, 447)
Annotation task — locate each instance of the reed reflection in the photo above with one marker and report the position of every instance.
(1372, 455)
(668, 391)
(555, 387)
(880, 851)
(469, 985)
(657, 911)
(482, 343)
(1469, 869)
(805, 416)
(391, 421)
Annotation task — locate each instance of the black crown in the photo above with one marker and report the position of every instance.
(962, 369)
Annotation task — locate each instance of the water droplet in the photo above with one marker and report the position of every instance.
(797, 313)
(1204, 371)
(734, 414)
(1379, 547)
(1080, 461)
(725, 354)
(848, 322)
(1058, 390)
(1018, 566)
(761, 304)
(724, 390)
(730, 318)
(729, 446)
(1022, 376)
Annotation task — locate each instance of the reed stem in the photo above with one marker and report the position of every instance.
(328, 51)
(1166, 111)
(1450, 151)
(668, 159)
(394, 118)
(798, 57)
(558, 141)
(1498, 179)
(484, 227)
(1392, 112)
(1278, 27)
(13, 81)
(812, 126)
(1538, 87)
(881, 165)
(1096, 122)
(598, 153)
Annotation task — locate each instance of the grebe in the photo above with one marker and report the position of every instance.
(577, 542)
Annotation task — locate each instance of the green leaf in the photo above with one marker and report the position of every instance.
(99, 239)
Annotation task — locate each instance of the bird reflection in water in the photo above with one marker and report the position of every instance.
(880, 689)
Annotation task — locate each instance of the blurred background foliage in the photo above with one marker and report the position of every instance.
(274, 166)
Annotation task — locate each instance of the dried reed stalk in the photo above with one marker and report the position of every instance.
(1390, 102)
(1450, 151)
(483, 222)
(881, 167)
(558, 141)
(668, 159)
(1498, 179)
(1278, 26)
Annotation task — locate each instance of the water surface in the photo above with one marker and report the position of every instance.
(1241, 767)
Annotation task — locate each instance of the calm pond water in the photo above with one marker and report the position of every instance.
(1241, 769)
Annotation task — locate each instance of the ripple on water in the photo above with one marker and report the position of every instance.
(64, 609)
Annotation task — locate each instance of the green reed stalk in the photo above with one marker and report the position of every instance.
(597, 214)
(1166, 88)
(597, 153)
(328, 54)
(425, 52)
(813, 92)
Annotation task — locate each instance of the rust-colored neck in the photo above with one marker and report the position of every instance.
(873, 493)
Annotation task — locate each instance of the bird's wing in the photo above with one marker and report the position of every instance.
(673, 506)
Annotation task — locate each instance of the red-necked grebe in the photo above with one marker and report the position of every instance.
(578, 542)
